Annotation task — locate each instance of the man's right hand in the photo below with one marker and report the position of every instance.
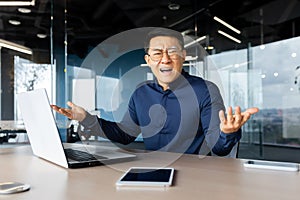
(74, 112)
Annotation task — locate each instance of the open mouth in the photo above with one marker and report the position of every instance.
(165, 70)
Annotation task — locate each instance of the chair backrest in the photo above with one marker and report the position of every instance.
(205, 150)
(234, 151)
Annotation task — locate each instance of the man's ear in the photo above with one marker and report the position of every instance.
(147, 57)
(183, 54)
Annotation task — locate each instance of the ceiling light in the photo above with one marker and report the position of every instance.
(186, 32)
(262, 47)
(15, 46)
(17, 3)
(195, 41)
(229, 36)
(24, 10)
(209, 47)
(41, 35)
(14, 22)
(227, 25)
(173, 6)
(191, 58)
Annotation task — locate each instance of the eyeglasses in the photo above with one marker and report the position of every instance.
(157, 54)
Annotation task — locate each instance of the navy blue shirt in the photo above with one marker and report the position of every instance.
(183, 118)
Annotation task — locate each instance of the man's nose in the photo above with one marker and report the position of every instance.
(165, 57)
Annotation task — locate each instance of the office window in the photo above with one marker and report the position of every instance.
(30, 76)
(266, 78)
(277, 63)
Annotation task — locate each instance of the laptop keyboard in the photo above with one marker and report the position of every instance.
(78, 155)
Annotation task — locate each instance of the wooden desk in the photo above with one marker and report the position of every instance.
(196, 178)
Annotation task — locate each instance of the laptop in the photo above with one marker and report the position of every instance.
(45, 140)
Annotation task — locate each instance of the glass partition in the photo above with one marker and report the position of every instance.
(280, 115)
(25, 53)
(26, 61)
(264, 77)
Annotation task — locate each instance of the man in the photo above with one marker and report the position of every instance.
(176, 112)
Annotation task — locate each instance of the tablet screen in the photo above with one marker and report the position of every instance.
(147, 177)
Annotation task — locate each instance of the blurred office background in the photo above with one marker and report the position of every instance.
(249, 48)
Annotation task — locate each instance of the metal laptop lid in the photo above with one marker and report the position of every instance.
(44, 135)
(41, 126)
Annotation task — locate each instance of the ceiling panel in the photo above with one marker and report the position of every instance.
(91, 21)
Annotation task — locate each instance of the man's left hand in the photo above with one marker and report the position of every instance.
(233, 122)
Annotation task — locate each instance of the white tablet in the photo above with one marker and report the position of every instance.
(147, 176)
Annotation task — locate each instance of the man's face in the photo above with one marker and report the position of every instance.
(165, 58)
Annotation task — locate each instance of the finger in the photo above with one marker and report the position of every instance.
(65, 112)
(54, 107)
(222, 116)
(245, 117)
(237, 115)
(73, 111)
(252, 110)
(72, 105)
(237, 110)
(229, 114)
(222, 119)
